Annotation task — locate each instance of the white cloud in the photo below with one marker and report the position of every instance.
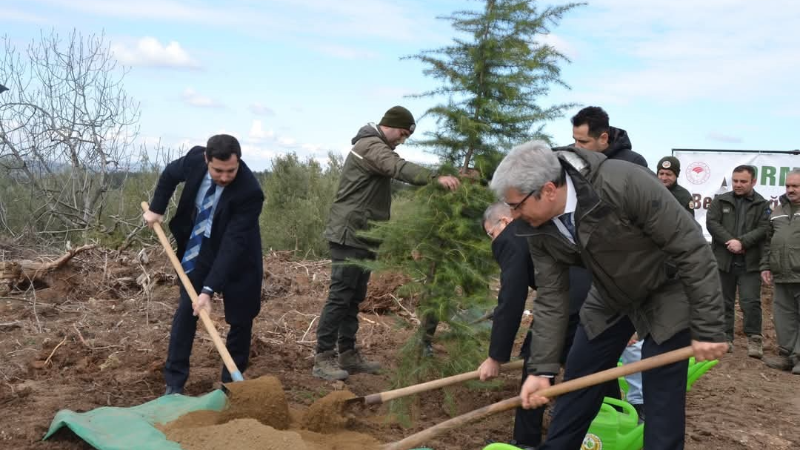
(192, 98)
(714, 136)
(149, 52)
(562, 45)
(261, 154)
(258, 134)
(260, 110)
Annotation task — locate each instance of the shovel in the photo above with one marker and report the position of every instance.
(236, 375)
(382, 397)
(415, 440)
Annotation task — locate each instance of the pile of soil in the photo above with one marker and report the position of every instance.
(258, 417)
(261, 399)
(327, 414)
(238, 434)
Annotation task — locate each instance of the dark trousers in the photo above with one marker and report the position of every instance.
(528, 422)
(664, 390)
(786, 316)
(338, 323)
(181, 339)
(749, 284)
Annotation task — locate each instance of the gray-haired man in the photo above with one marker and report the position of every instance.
(652, 270)
(780, 263)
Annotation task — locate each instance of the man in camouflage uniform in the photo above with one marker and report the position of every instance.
(364, 195)
(668, 170)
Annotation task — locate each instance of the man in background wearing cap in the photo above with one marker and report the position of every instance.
(668, 170)
(364, 195)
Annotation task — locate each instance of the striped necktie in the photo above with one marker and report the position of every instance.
(199, 230)
(566, 219)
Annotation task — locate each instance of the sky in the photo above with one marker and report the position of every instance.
(304, 75)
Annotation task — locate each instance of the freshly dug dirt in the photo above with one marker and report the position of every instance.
(341, 440)
(114, 326)
(194, 419)
(207, 430)
(327, 414)
(261, 399)
(236, 434)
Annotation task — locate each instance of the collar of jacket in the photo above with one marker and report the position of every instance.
(784, 200)
(730, 197)
(370, 130)
(618, 141)
(674, 186)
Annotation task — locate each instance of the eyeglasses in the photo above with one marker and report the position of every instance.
(515, 206)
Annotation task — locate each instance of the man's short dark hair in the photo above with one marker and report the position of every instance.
(222, 146)
(595, 117)
(745, 168)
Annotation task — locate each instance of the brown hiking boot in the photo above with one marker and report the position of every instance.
(779, 362)
(352, 362)
(327, 368)
(754, 347)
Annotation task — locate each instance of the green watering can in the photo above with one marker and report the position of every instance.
(696, 370)
(616, 427)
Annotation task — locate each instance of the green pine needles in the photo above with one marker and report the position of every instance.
(492, 76)
(436, 238)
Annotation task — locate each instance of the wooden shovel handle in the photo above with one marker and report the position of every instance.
(207, 323)
(386, 396)
(562, 388)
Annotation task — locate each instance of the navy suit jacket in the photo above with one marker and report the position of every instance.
(230, 260)
(516, 276)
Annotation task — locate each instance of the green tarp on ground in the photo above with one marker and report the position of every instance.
(112, 428)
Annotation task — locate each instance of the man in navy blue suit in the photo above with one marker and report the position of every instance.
(219, 244)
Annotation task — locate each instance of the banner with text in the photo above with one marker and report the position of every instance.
(707, 173)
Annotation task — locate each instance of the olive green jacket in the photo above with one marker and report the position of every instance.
(781, 251)
(648, 261)
(365, 190)
(721, 224)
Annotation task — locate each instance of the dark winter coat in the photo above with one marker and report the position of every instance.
(721, 224)
(620, 147)
(648, 260)
(683, 196)
(231, 256)
(516, 276)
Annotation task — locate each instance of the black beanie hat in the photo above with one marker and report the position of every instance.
(669, 163)
(398, 117)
